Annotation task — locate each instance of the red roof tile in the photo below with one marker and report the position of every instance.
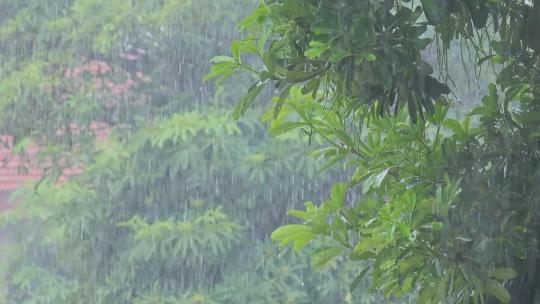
(15, 170)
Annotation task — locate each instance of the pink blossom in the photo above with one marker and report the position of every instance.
(77, 71)
(128, 56)
(98, 83)
(67, 73)
(93, 67)
(104, 67)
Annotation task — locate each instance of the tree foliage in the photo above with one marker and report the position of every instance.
(68, 64)
(142, 223)
(440, 205)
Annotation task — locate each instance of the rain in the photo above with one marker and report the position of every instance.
(246, 151)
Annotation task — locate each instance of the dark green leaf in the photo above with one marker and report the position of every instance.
(358, 279)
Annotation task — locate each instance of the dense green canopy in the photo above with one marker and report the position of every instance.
(449, 205)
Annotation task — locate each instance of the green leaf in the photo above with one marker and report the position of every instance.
(411, 106)
(223, 69)
(530, 118)
(358, 279)
(339, 193)
(279, 128)
(454, 125)
(370, 57)
(269, 59)
(221, 59)
(374, 181)
(497, 59)
(484, 59)
(242, 106)
(371, 244)
(235, 49)
(338, 55)
(299, 76)
(312, 86)
(497, 290)
(434, 14)
(316, 49)
(504, 273)
(322, 257)
(491, 101)
(281, 100)
(300, 235)
(434, 88)
(404, 229)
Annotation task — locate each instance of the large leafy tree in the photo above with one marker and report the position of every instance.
(445, 206)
